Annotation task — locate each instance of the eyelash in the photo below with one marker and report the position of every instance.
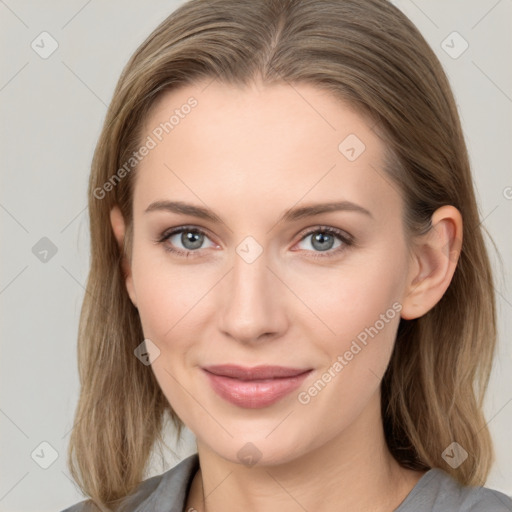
(346, 239)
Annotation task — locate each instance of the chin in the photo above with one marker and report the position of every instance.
(256, 451)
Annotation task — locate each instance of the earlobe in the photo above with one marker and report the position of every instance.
(436, 255)
(119, 230)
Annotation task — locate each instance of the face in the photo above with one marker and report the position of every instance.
(251, 286)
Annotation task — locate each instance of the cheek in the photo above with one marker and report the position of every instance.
(343, 301)
(362, 313)
(356, 313)
(169, 301)
(167, 292)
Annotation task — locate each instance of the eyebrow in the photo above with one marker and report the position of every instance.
(290, 215)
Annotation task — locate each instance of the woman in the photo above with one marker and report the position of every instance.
(286, 258)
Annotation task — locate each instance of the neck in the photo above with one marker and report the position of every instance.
(353, 472)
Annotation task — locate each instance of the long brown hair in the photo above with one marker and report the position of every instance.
(368, 54)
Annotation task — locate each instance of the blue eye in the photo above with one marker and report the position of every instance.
(192, 238)
(324, 239)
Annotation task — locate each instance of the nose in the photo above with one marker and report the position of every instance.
(252, 302)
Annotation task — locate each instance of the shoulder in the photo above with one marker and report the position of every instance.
(437, 491)
(169, 488)
(489, 500)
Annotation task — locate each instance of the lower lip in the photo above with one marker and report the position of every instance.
(254, 394)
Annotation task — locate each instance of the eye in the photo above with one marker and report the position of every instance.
(190, 237)
(323, 239)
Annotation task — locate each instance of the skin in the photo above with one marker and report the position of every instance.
(249, 154)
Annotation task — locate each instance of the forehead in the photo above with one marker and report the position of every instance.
(278, 144)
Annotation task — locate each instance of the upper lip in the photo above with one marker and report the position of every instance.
(255, 372)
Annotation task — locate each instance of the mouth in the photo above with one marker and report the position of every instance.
(255, 387)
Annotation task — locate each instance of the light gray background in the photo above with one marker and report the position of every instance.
(52, 110)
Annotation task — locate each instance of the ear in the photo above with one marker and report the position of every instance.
(435, 257)
(119, 229)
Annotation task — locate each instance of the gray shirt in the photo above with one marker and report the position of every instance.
(436, 491)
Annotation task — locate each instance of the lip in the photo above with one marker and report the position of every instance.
(254, 387)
